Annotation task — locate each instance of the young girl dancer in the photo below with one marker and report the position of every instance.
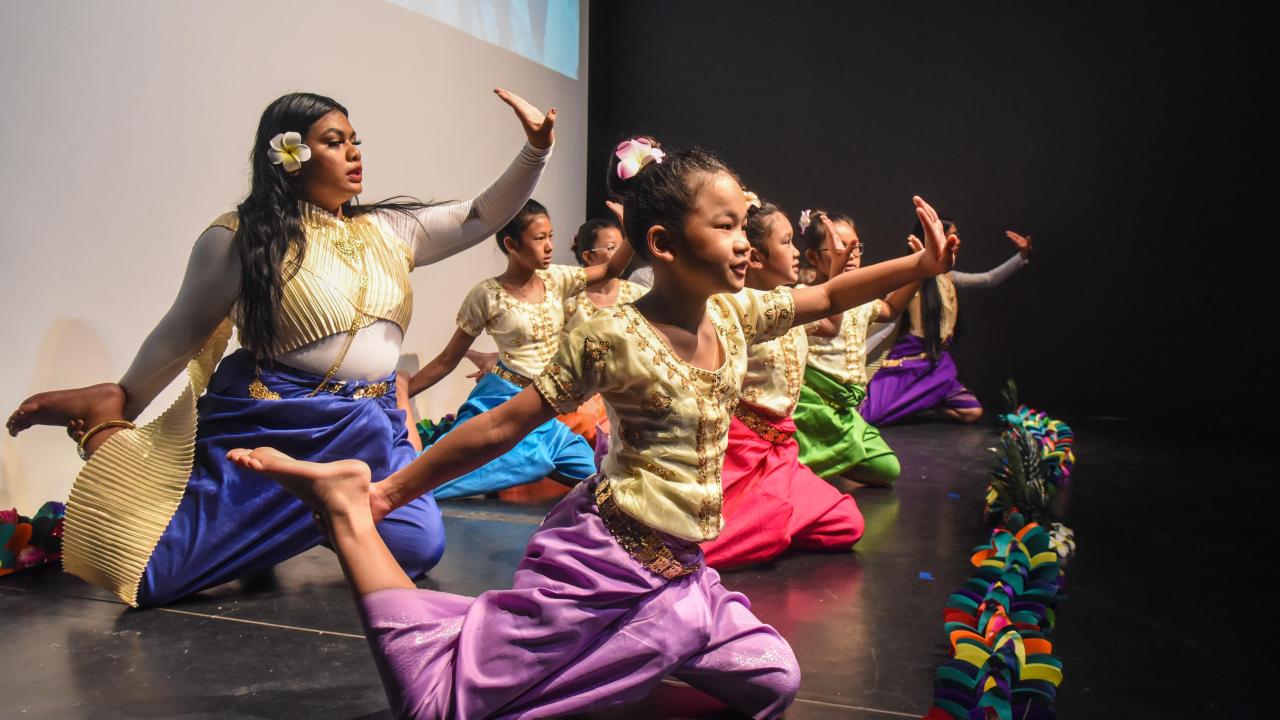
(523, 310)
(612, 594)
(318, 289)
(595, 242)
(771, 501)
(918, 373)
(834, 439)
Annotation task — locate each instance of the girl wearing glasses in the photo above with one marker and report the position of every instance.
(834, 438)
(594, 244)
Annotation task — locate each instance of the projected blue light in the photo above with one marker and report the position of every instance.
(545, 31)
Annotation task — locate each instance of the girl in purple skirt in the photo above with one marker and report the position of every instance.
(917, 374)
(612, 594)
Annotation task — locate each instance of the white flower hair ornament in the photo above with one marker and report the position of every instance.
(634, 154)
(804, 220)
(753, 200)
(287, 150)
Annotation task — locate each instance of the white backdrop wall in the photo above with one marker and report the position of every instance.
(126, 129)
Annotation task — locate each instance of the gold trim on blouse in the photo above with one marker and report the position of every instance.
(670, 420)
(527, 333)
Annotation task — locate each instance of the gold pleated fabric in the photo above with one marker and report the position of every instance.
(127, 492)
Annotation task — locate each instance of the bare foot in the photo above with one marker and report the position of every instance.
(90, 405)
(326, 488)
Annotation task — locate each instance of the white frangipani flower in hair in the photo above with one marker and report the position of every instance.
(287, 149)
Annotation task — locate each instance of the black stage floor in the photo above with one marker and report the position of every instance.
(1163, 616)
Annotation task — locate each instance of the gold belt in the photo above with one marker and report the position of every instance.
(639, 540)
(895, 362)
(757, 422)
(513, 378)
(258, 390)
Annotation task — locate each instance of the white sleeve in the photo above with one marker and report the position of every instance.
(208, 291)
(990, 278)
(437, 232)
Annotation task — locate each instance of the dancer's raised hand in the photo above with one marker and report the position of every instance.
(1022, 242)
(539, 128)
(940, 249)
(914, 243)
(841, 254)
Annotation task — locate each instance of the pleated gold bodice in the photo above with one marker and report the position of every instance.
(324, 297)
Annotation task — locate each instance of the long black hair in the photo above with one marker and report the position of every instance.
(270, 219)
(662, 193)
(930, 304)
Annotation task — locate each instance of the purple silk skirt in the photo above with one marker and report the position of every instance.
(918, 384)
(584, 627)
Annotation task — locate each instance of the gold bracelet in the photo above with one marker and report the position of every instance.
(84, 455)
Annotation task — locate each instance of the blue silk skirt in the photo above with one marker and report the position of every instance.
(551, 448)
(232, 521)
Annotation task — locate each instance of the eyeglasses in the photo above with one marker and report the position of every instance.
(857, 250)
(606, 249)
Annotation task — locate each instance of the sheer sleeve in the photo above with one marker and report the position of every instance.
(437, 232)
(990, 278)
(208, 292)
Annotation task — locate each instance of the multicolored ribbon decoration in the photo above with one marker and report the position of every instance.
(998, 622)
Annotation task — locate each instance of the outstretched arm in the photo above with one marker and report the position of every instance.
(467, 447)
(442, 364)
(208, 291)
(437, 232)
(849, 290)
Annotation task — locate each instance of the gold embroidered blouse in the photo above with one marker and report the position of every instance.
(670, 420)
(527, 333)
(352, 274)
(775, 372)
(844, 356)
(580, 308)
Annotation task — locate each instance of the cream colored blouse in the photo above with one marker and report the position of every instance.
(670, 420)
(527, 333)
(775, 373)
(844, 356)
(580, 308)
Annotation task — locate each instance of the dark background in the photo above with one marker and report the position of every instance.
(1128, 141)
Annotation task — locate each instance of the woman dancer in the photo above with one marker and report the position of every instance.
(595, 242)
(612, 594)
(834, 439)
(918, 375)
(771, 501)
(523, 310)
(318, 289)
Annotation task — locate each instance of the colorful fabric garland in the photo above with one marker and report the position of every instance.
(30, 541)
(1002, 665)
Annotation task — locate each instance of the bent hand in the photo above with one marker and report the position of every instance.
(538, 128)
(1022, 242)
(484, 362)
(914, 243)
(940, 249)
